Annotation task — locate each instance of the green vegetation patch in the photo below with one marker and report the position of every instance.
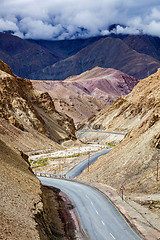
(70, 156)
(111, 144)
(39, 163)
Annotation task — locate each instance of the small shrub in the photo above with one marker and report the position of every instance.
(111, 144)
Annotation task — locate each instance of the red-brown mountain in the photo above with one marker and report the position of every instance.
(107, 53)
(83, 95)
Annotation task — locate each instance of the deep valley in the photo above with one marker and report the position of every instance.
(61, 103)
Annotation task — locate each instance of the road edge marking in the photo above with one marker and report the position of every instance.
(76, 211)
(113, 204)
(118, 210)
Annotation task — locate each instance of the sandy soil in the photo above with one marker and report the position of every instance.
(28, 210)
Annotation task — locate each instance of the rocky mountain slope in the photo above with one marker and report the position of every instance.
(23, 56)
(144, 44)
(30, 114)
(29, 122)
(134, 161)
(107, 53)
(65, 48)
(29, 58)
(28, 210)
(81, 96)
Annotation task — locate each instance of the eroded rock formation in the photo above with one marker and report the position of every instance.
(27, 109)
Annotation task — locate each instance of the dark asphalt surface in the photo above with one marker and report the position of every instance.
(77, 170)
(100, 220)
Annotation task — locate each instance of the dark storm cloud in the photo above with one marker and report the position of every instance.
(65, 19)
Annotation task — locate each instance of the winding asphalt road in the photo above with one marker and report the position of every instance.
(100, 220)
(78, 169)
(99, 131)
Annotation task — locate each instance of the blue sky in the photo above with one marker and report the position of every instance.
(69, 19)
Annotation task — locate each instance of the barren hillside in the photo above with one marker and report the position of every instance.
(30, 115)
(107, 53)
(134, 162)
(136, 55)
(28, 122)
(26, 210)
(82, 96)
(24, 56)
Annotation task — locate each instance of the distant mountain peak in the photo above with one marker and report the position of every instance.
(136, 55)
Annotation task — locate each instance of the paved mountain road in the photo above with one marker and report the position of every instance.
(78, 169)
(99, 131)
(99, 218)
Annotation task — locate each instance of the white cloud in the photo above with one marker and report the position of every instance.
(126, 30)
(7, 25)
(155, 14)
(38, 29)
(152, 28)
(60, 19)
